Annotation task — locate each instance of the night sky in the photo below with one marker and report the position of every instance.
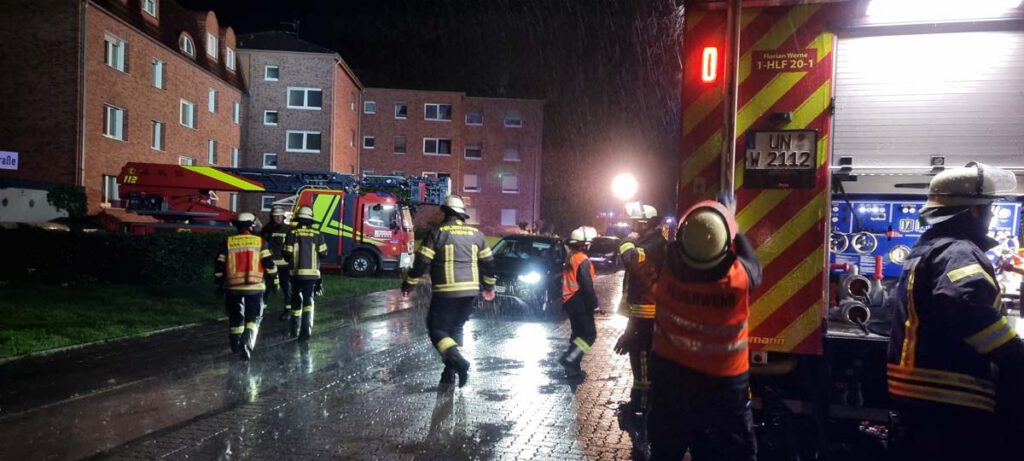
(608, 69)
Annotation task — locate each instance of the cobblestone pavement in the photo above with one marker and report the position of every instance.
(364, 391)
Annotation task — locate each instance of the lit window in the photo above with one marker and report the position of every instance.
(303, 141)
(399, 144)
(188, 113)
(270, 117)
(149, 6)
(229, 58)
(513, 119)
(236, 112)
(401, 111)
(436, 146)
(211, 152)
(159, 73)
(470, 183)
(369, 142)
(474, 150)
(111, 194)
(305, 98)
(511, 154)
(508, 216)
(211, 45)
(439, 112)
(116, 53)
(266, 202)
(475, 117)
(369, 107)
(269, 161)
(158, 135)
(271, 73)
(509, 184)
(212, 106)
(186, 45)
(113, 122)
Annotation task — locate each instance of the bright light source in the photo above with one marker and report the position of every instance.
(624, 186)
(530, 278)
(709, 64)
(897, 11)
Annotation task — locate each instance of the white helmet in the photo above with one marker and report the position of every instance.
(305, 213)
(455, 203)
(974, 184)
(640, 212)
(582, 234)
(245, 221)
(706, 232)
(278, 210)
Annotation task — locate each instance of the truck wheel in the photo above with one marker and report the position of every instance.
(361, 264)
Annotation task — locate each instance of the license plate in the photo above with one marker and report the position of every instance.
(782, 150)
(499, 289)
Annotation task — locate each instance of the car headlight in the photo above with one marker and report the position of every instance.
(530, 278)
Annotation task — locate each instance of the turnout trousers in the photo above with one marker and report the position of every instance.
(445, 320)
(301, 323)
(284, 277)
(245, 310)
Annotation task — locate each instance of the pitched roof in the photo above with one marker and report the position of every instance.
(277, 40)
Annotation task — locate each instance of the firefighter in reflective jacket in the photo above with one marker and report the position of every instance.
(303, 249)
(240, 272)
(641, 256)
(948, 335)
(579, 301)
(699, 366)
(274, 234)
(459, 262)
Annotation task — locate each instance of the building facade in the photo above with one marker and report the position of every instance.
(96, 84)
(490, 148)
(302, 111)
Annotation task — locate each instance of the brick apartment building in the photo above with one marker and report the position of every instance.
(91, 85)
(490, 148)
(302, 112)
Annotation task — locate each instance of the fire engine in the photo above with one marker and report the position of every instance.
(827, 119)
(366, 219)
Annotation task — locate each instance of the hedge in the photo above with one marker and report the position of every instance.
(154, 259)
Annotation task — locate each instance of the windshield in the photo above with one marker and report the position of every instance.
(382, 216)
(526, 249)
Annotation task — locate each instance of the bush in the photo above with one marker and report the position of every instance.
(154, 259)
(68, 198)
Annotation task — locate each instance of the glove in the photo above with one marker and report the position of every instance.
(624, 344)
(319, 290)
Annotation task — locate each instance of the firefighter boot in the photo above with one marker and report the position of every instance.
(249, 339)
(235, 341)
(294, 322)
(572, 358)
(453, 359)
(306, 329)
(287, 314)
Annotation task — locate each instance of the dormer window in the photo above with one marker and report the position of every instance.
(229, 58)
(150, 7)
(211, 45)
(186, 45)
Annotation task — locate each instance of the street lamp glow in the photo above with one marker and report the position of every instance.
(624, 186)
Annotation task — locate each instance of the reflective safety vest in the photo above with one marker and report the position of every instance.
(570, 282)
(243, 266)
(275, 234)
(703, 325)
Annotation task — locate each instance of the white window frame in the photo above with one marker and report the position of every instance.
(267, 155)
(513, 125)
(437, 105)
(370, 107)
(515, 216)
(405, 147)
(158, 132)
(266, 73)
(159, 69)
(509, 191)
(155, 12)
(185, 160)
(114, 122)
(518, 151)
(236, 112)
(229, 58)
(194, 116)
(264, 206)
(437, 145)
(474, 215)
(466, 148)
(115, 52)
(481, 123)
(110, 191)
(234, 157)
(211, 45)
(187, 45)
(397, 106)
(211, 104)
(373, 141)
(305, 141)
(277, 116)
(465, 183)
(305, 98)
(233, 202)
(211, 151)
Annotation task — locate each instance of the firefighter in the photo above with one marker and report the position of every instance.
(641, 255)
(458, 261)
(275, 234)
(303, 248)
(699, 366)
(241, 271)
(579, 301)
(948, 335)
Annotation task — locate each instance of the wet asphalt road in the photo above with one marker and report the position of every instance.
(365, 390)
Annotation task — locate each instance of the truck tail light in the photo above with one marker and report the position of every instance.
(709, 64)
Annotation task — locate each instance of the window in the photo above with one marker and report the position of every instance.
(229, 58)
(234, 157)
(513, 119)
(270, 117)
(435, 146)
(399, 144)
(269, 161)
(211, 152)
(474, 150)
(441, 112)
(233, 202)
(474, 215)
(470, 183)
(369, 142)
(475, 117)
(211, 45)
(212, 101)
(352, 138)
(378, 215)
(509, 184)
(303, 141)
(159, 73)
(116, 53)
(511, 154)
(110, 190)
(158, 135)
(401, 111)
(305, 98)
(266, 202)
(186, 45)
(352, 101)
(113, 122)
(236, 112)
(189, 113)
(271, 73)
(186, 161)
(149, 6)
(370, 107)
(508, 216)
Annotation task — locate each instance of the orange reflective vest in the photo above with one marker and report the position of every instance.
(703, 325)
(244, 265)
(570, 283)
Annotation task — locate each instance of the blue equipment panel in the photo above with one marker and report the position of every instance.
(865, 227)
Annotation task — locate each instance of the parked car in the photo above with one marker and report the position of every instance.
(604, 253)
(529, 271)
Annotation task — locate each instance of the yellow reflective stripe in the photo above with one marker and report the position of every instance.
(486, 253)
(993, 336)
(446, 343)
(644, 311)
(490, 280)
(306, 272)
(239, 183)
(252, 325)
(947, 396)
(297, 312)
(427, 252)
(218, 274)
(272, 270)
(943, 377)
(307, 308)
(476, 274)
(265, 254)
(412, 281)
(322, 248)
(626, 247)
(451, 287)
(221, 258)
(237, 330)
(449, 263)
(910, 326)
(967, 271)
(580, 343)
(641, 255)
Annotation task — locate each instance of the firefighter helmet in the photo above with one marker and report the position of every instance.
(638, 211)
(952, 191)
(278, 210)
(305, 213)
(706, 232)
(582, 234)
(245, 221)
(454, 204)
